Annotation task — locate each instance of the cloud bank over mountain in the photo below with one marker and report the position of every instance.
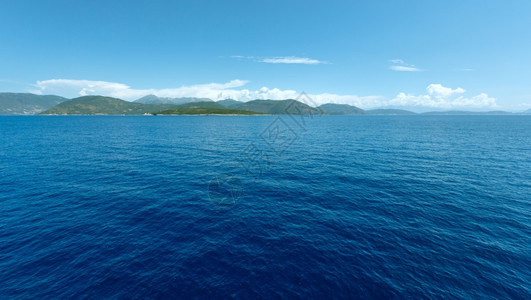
(436, 96)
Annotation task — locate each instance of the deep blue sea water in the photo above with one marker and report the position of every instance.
(265, 207)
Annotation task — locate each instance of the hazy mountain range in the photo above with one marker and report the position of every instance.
(152, 99)
(27, 104)
(99, 105)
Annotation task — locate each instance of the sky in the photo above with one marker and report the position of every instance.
(420, 55)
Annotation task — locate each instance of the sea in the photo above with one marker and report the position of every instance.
(265, 207)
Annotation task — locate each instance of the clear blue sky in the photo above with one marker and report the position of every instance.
(446, 54)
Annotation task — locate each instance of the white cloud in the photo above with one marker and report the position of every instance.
(73, 88)
(404, 69)
(441, 97)
(402, 66)
(437, 96)
(437, 90)
(76, 88)
(397, 61)
(283, 60)
(291, 60)
(215, 91)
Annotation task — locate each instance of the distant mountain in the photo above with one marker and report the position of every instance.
(99, 105)
(460, 112)
(341, 109)
(205, 104)
(27, 104)
(390, 111)
(527, 111)
(274, 107)
(277, 107)
(210, 108)
(204, 108)
(198, 110)
(152, 99)
(229, 102)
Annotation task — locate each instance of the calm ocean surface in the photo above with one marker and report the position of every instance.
(265, 207)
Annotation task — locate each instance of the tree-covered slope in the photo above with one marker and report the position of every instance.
(152, 99)
(210, 104)
(229, 102)
(94, 105)
(26, 104)
(342, 109)
(206, 111)
(277, 107)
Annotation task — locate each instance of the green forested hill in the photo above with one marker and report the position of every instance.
(26, 104)
(94, 105)
(99, 105)
(206, 111)
(342, 109)
(277, 107)
(152, 99)
(204, 108)
(229, 102)
(207, 104)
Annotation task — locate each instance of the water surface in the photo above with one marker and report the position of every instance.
(265, 206)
